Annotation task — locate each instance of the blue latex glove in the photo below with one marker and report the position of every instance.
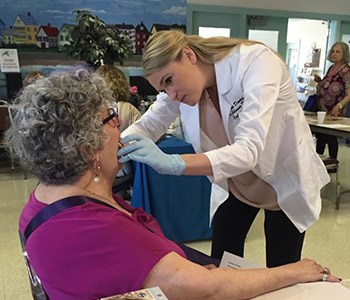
(144, 150)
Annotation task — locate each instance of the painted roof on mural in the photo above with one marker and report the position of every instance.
(124, 26)
(141, 27)
(66, 25)
(49, 30)
(160, 27)
(28, 19)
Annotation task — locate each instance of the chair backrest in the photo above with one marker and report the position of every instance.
(35, 283)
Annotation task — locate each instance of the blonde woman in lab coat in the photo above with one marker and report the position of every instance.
(239, 110)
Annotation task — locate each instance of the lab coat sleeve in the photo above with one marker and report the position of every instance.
(156, 120)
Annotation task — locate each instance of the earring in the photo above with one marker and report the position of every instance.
(97, 169)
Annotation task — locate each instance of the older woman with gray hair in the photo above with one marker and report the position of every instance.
(86, 243)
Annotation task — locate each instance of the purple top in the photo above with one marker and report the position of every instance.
(92, 251)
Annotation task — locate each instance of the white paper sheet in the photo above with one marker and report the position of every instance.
(230, 260)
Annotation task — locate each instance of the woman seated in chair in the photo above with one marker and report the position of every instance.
(65, 131)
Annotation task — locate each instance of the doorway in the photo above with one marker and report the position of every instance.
(307, 45)
(306, 54)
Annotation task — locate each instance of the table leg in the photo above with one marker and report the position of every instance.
(337, 201)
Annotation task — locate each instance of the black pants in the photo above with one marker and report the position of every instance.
(331, 141)
(232, 222)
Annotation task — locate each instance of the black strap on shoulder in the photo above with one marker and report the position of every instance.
(53, 209)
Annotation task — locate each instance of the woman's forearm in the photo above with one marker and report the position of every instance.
(246, 284)
(181, 279)
(337, 110)
(344, 101)
(197, 164)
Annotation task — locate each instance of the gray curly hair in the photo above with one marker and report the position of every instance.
(57, 125)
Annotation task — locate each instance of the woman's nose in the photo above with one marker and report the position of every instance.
(172, 94)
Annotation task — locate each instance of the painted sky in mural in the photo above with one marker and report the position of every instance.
(110, 11)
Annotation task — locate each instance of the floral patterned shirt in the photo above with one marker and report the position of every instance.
(331, 89)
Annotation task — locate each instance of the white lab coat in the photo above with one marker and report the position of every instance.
(266, 129)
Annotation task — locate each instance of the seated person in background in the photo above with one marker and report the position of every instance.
(66, 131)
(135, 98)
(118, 83)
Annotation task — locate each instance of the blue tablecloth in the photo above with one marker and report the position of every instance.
(179, 203)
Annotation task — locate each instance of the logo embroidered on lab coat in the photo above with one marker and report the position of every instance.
(236, 108)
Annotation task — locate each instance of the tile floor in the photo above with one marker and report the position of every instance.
(328, 241)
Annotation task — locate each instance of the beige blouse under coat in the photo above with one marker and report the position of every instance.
(247, 187)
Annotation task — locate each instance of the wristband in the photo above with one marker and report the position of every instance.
(340, 105)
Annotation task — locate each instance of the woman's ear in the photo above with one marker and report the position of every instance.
(189, 54)
(96, 156)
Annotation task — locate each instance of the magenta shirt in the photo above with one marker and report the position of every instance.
(92, 251)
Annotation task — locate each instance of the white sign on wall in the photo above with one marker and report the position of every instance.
(346, 38)
(268, 37)
(207, 32)
(9, 61)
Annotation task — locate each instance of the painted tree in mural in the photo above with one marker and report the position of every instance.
(94, 42)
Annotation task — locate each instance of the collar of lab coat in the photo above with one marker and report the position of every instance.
(190, 114)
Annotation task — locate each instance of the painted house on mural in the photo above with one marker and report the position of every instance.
(2, 29)
(142, 35)
(128, 30)
(47, 36)
(25, 28)
(63, 37)
(8, 37)
(160, 27)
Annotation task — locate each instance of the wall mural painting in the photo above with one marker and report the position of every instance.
(39, 30)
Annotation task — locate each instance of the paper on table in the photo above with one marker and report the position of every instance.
(230, 260)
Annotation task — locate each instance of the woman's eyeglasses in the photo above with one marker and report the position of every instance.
(112, 115)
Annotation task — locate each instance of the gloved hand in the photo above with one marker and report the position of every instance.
(144, 150)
